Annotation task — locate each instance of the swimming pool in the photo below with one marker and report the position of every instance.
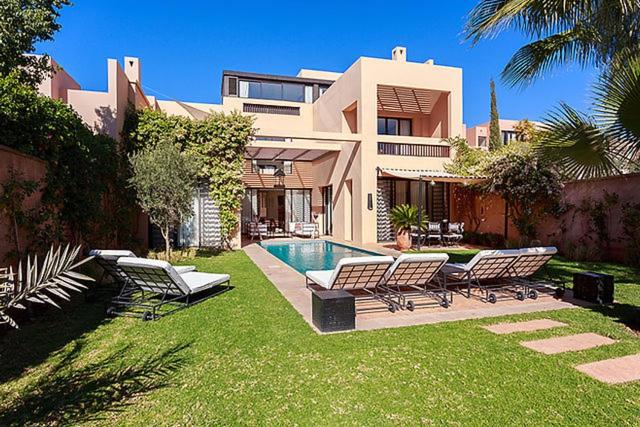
(312, 254)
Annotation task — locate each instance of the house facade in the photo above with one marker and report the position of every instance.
(478, 136)
(337, 149)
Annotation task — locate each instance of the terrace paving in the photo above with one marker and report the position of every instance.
(374, 315)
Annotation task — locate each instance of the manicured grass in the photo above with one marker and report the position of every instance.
(247, 357)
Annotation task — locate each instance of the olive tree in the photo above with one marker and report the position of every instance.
(164, 180)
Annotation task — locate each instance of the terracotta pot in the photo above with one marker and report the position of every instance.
(403, 240)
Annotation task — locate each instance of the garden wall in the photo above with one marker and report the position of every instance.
(572, 232)
(31, 168)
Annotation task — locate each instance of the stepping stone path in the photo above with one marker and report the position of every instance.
(614, 371)
(528, 326)
(611, 371)
(568, 343)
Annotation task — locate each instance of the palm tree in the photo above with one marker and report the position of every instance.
(600, 33)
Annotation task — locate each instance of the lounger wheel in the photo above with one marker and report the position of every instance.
(111, 311)
(520, 296)
(533, 294)
(146, 316)
(492, 298)
(392, 308)
(444, 303)
(560, 292)
(411, 306)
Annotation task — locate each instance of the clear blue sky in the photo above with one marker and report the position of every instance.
(185, 45)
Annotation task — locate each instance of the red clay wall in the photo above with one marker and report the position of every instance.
(576, 226)
(32, 169)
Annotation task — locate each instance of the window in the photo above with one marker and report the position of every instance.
(269, 167)
(508, 136)
(482, 141)
(308, 94)
(295, 92)
(392, 126)
(322, 90)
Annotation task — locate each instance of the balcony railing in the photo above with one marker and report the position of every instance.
(413, 150)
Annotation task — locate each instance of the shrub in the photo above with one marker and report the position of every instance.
(164, 181)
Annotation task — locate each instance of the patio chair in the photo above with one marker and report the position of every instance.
(305, 229)
(454, 234)
(416, 275)
(359, 276)
(486, 271)
(433, 232)
(258, 230)
(528, 264)
(108, 260)
(154, 288)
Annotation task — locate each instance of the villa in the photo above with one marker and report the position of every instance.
(339, 149)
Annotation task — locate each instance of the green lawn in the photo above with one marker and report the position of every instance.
(247, 357)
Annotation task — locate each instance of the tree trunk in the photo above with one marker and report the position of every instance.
(16, 238)
(167, 246)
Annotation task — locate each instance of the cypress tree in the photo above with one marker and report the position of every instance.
(495, 136)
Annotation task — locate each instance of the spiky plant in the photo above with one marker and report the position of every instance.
(41, 283)
(403, 217)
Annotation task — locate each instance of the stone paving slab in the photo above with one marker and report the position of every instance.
(528, 326)
(575, 342)
(614, 371)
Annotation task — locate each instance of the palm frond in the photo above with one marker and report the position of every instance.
(39, 283)
(617, 105)
(536, 58)
(575, 143)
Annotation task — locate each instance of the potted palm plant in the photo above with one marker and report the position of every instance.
(403, 217)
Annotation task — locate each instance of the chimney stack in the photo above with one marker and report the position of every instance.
(132, 69)
(399, 53)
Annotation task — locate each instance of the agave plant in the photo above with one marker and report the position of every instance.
(41, 283)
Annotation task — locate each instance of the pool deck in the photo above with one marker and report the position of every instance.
(374, 315)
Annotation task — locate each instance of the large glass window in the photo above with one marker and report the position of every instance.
(271, 90)
(393, 126)
(293, 92)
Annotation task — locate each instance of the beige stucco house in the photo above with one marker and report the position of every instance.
(478, 136)
(338, 149)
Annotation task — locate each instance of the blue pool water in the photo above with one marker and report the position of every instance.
(312, 254)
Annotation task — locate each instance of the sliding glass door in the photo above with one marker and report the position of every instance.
(327, 208)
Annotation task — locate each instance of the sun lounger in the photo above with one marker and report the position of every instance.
(359, 276)
(108, 260)
(486, 271)
(530, 262)
(155, 288)
(416, 275)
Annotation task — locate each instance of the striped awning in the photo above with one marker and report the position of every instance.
(427, 174)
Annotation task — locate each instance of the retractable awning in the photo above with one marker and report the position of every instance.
(427, 174)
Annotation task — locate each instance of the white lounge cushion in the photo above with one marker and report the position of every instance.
(320, 277)
(201, 281)
(184, 268)
(541, 250)
(111, 253)
(493, 253)
(437, 258)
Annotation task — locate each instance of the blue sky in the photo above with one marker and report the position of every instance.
(185, 45)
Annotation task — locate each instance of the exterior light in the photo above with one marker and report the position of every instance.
(370, 201)
(432, 183)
